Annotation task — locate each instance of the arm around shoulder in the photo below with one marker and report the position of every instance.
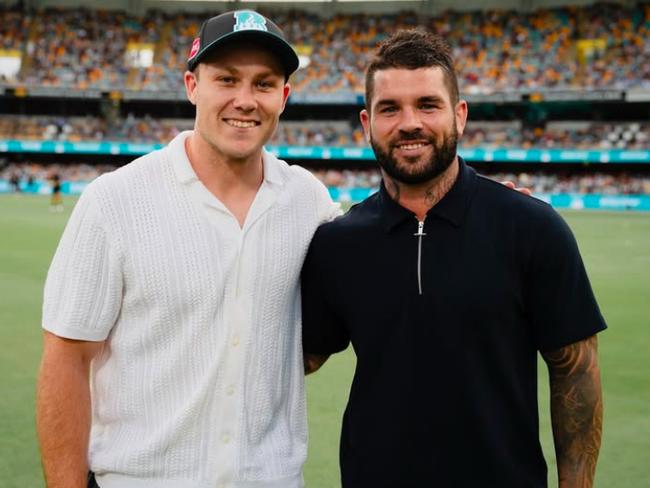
(63, 409)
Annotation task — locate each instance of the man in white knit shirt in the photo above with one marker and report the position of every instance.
(172, 350)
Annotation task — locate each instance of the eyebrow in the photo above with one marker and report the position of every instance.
(387, 102)
(431, 99)
(234, 71)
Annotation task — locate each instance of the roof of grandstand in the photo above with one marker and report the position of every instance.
(332, 6)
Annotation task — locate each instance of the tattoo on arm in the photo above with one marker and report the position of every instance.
(576, 411)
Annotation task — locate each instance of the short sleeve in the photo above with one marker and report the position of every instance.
(83, 289)
(560, 300)
(322, 331)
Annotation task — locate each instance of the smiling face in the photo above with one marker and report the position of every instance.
(412, 124)
(239, 94)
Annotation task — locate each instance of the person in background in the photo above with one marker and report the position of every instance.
(56, 202)
(14, 182)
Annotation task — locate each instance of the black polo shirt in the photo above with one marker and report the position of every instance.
(446, 329)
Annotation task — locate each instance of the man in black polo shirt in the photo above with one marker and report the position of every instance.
(447, 284)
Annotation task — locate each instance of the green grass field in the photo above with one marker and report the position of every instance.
(616, 250)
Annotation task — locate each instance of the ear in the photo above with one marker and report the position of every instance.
(364, 116)
(189, 79)
(285, 95)
(461, 116)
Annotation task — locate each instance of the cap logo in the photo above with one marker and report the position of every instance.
(249, 20)
(195, 47)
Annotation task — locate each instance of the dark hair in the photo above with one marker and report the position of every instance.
(413, 49)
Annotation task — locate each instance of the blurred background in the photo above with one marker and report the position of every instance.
(559, 93)
(559, 102)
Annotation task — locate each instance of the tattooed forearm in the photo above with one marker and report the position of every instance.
(576, 411)
(313, 362)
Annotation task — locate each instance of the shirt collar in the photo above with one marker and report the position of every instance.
(186, 174)
(272, 168)
(452, 207)
(179, 160)
(392, 213)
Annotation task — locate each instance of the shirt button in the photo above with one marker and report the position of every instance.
(225, 438)
(230, 390)
(235, 340)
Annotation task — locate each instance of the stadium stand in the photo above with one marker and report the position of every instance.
(554, 93)
(566, 134)
(77, 172)
(496, 50)
(145, 129)
(540, 183)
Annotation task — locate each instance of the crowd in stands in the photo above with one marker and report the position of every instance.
(568, 134)
(294, 133)
(34, 171)
(538, 182)
(14, 29)
(348, 178)
(604, 183)
(92, 129)
(81, 48)
(597, 46)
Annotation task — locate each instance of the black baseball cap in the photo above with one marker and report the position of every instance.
(242, 25)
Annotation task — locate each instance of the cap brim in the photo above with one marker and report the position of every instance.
(278, 46)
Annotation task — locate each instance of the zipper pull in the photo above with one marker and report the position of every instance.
(420, 232)
(419, 235)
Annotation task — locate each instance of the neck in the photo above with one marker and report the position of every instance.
(421, 197)
(221, 175)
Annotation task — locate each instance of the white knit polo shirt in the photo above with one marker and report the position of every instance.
(201, 380)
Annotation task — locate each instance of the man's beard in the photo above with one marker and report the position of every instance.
(442, 156)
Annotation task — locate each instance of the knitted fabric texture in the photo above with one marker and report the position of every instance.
(201, 379)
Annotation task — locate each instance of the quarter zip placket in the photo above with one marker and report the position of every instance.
(420, 233)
